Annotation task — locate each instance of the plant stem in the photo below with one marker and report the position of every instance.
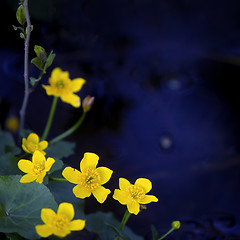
(57, 179)
(70, 130)
(50, 118)
(126, 216)
(26, 71)
(163, 236)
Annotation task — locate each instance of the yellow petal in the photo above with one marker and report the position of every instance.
(133, 207)
(33, 137)
(43, 145)
(25, 165)
(66, 209)
(76, 84)
(81, 192)
(147, 199)
(123, 183)
(24, 145)
(61, 232)
(44, 230)
(47, 214)
(38, 158)
(144, 183)
(50, 90)
(72, 99)
(101, 194)
(28, 178)
(120, 196)
(72, 175)
(90, 160)
(50, 161)
(105, 174)
(57, 74)
(77, 225)
(41, 176)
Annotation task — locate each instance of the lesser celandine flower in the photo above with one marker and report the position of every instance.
(12, 123)
(90, 179)
(133, 195)
(60, 223)
(62, 86)
(31, 144)
(35, 169)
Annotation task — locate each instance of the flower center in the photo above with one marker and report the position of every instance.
(32, 147)
(135, 193)
(60, 84)
(60, 221)
(37, 169)
(91, 179)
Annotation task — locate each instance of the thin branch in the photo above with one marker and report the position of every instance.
(26, 64)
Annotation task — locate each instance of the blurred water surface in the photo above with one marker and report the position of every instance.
(165, 79)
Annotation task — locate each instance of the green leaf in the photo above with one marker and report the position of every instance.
(62, 192)
(40, 52)
(8, 165)
(20, 14)
(106, 226)
(56, 166)
(6, 142)
(14, 236)
(22, 36)
(33, 80)
(17, 28)
(154, 232)
(60, 149)
(49, 60)
(22, 204)
(38, 63)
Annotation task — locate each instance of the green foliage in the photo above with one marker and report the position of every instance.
(62, 191)
(8, 150)
(61, 149)
(106, 226)
(42, 62)
(20, 15)
(154, 232)
(22, 204)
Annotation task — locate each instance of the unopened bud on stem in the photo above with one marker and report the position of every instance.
(176, 225)
(87, 103)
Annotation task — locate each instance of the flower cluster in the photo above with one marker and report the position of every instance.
(88, 180)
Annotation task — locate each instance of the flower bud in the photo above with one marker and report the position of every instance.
(12, 123)
(176, 225)
(87, 103)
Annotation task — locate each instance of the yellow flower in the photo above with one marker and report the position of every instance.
(37, 169)
(62, 86)
(60, 223)
(133, 195)
(12, 123)
(90, 179)
(31, 144)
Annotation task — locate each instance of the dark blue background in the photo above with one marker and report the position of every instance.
(165, 75)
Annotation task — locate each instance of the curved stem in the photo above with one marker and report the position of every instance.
(50, 118)
(125, 218)
(163, 236)
(26, 71)
(70, 130)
